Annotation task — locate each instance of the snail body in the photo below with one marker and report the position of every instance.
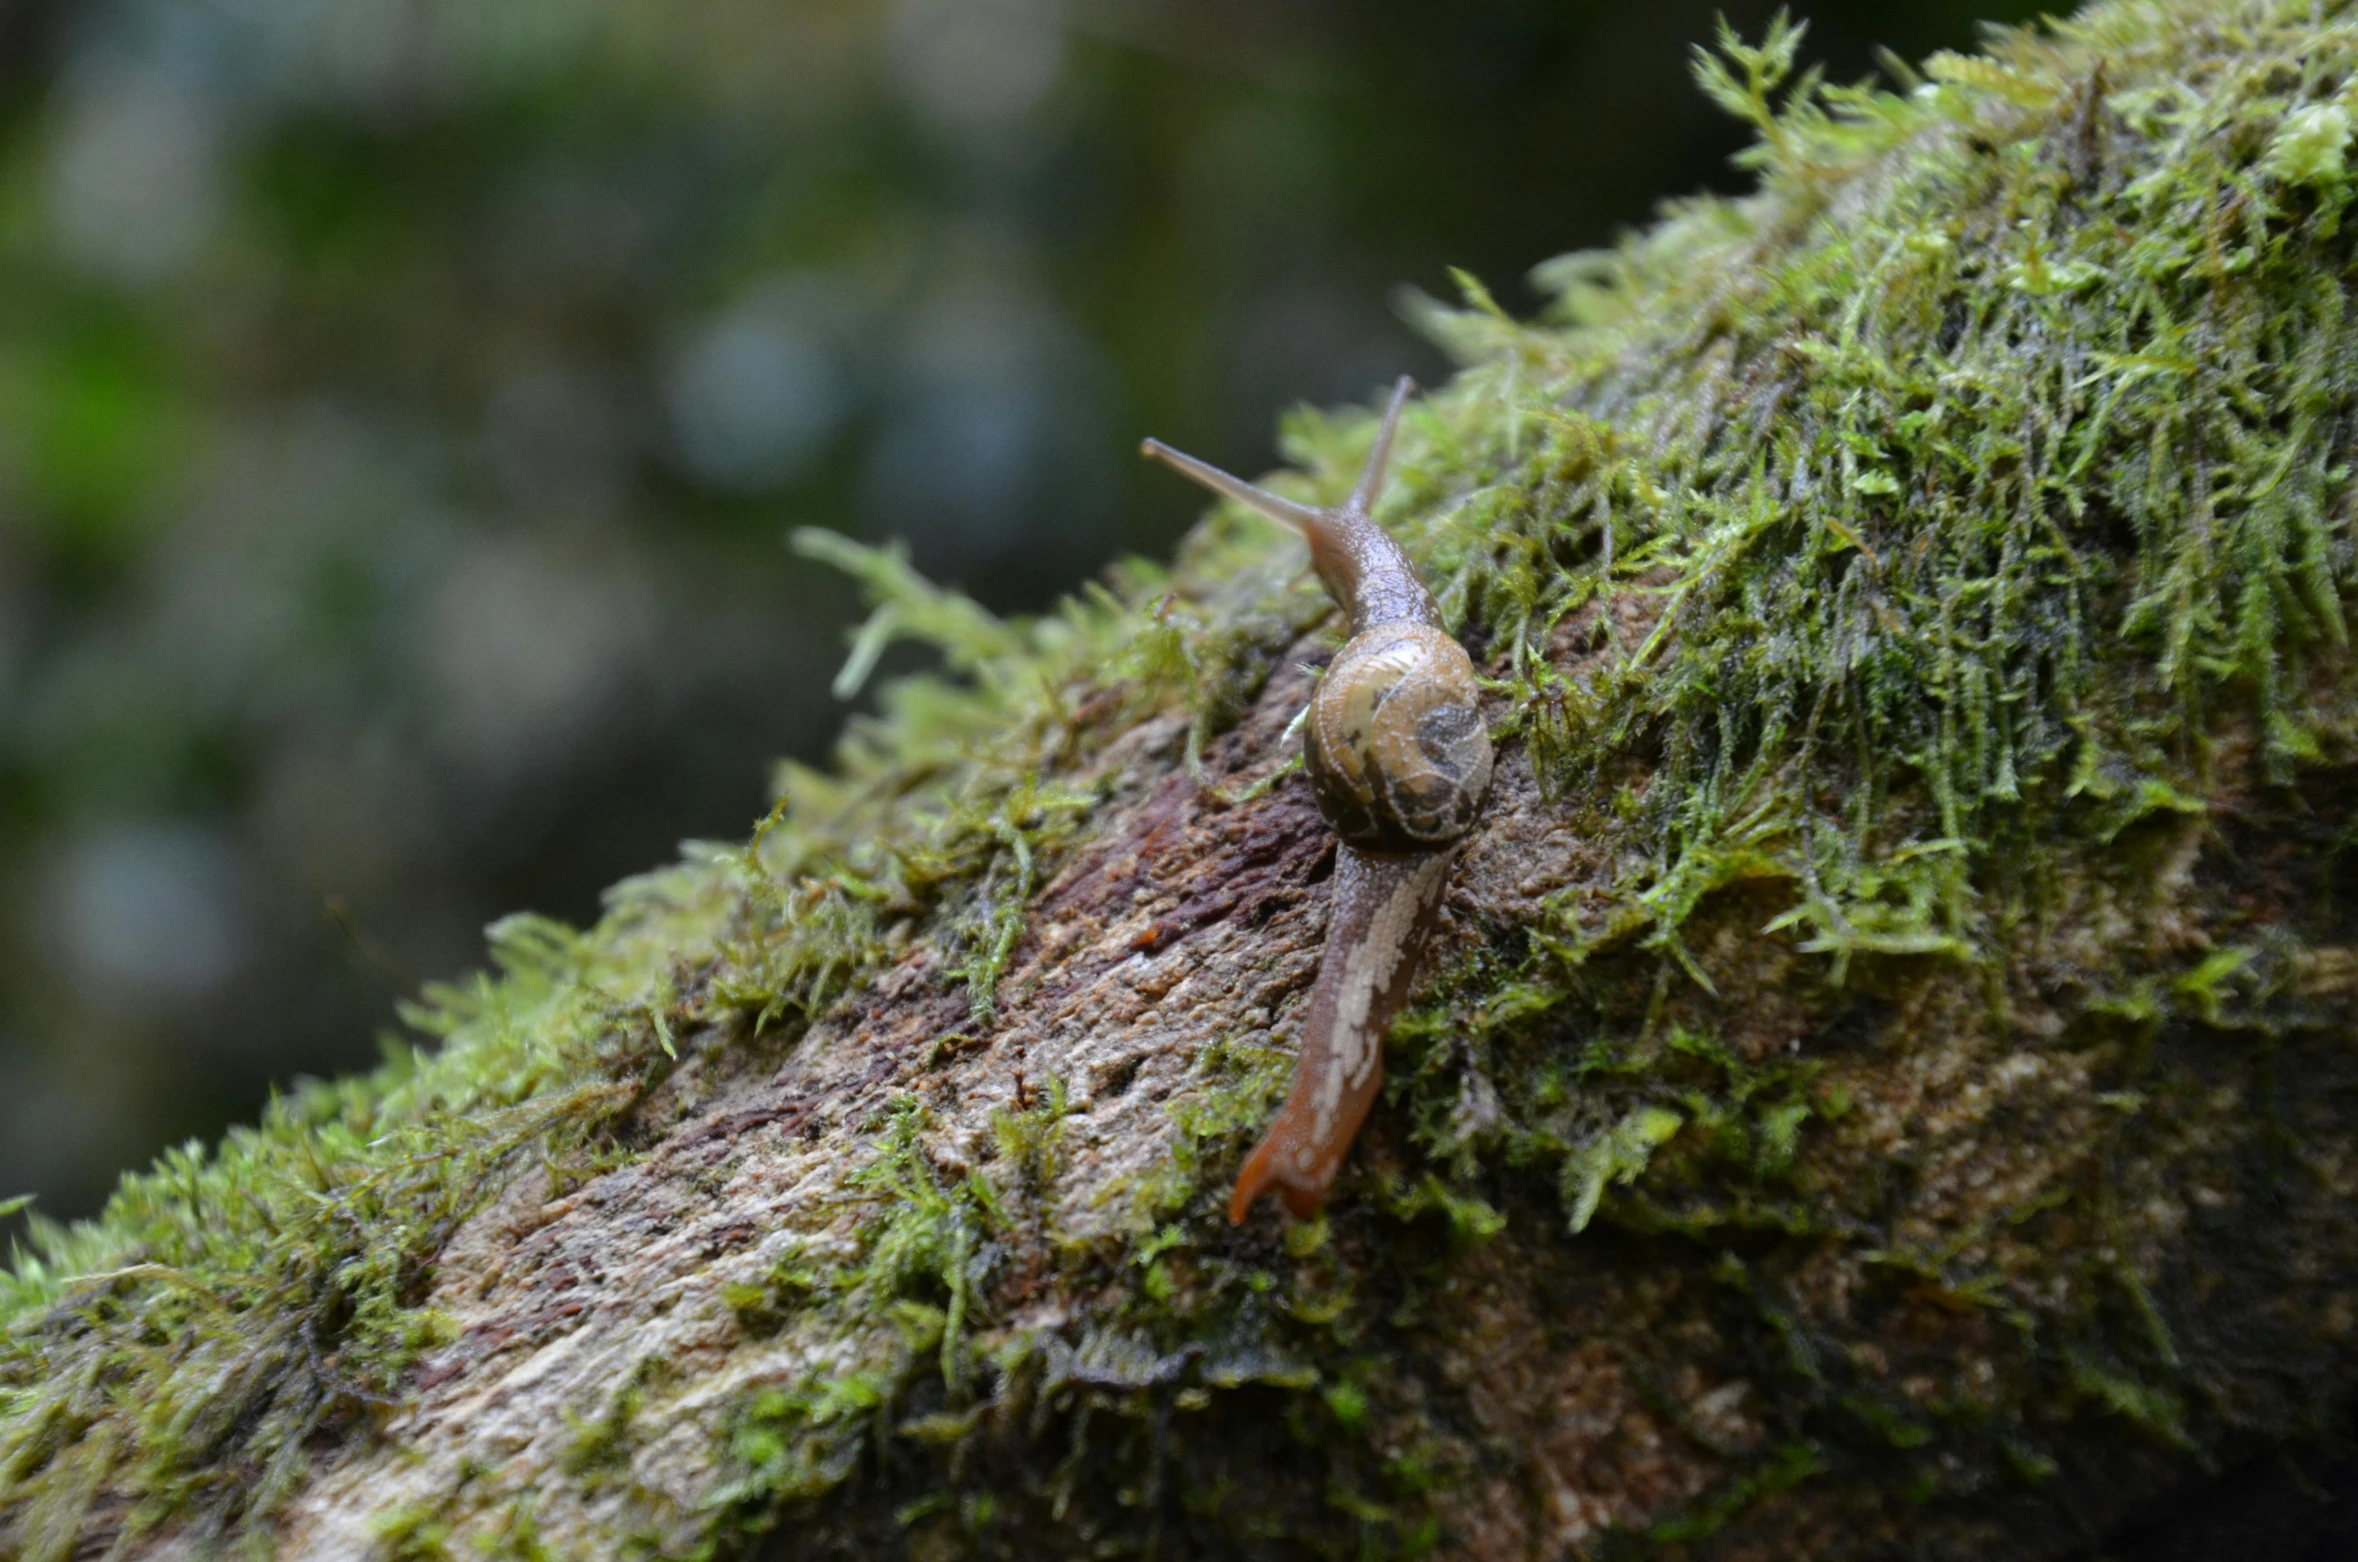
(1399, 760)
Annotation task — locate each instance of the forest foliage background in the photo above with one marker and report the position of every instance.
(402, 404)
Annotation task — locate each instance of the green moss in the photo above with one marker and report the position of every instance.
(413, 1534)
(235, 1303)
(1880, 570)
(1786, 1467)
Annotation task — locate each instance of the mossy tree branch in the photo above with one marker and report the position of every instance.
(1889, 1087)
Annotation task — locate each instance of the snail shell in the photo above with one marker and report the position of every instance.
(1395, 747)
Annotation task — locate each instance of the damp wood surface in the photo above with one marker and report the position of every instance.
(1888, 1079)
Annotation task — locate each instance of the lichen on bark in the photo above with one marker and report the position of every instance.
(1887, 1083)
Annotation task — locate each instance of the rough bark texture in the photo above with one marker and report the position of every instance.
(1887, 1086)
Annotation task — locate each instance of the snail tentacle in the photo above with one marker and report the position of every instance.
(1295, 517)
(1362, 568)
(1379, 455)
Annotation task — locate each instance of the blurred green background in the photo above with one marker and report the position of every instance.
(402, 404)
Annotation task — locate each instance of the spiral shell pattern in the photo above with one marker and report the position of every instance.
(1395, 747)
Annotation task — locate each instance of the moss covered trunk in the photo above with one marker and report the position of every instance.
(1889, 1083)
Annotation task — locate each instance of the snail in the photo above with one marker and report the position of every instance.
(1398, 759)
